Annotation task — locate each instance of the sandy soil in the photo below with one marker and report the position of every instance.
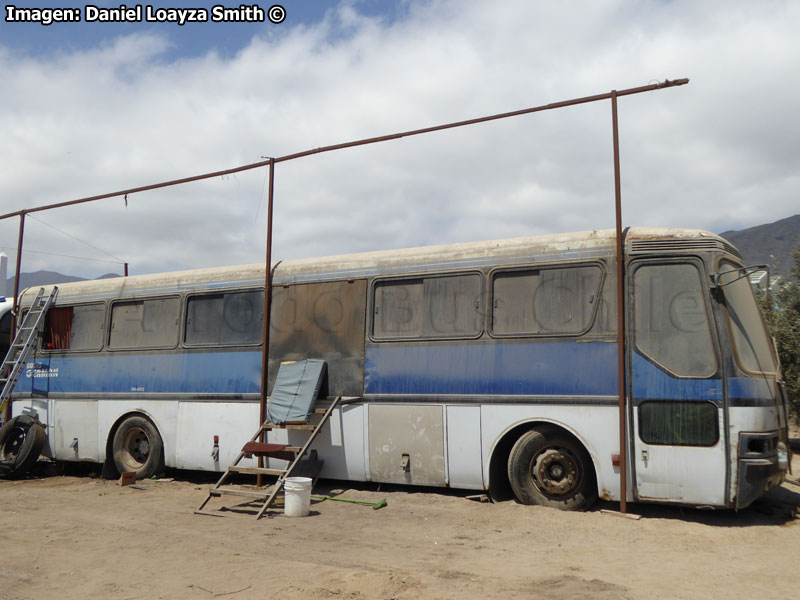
(77, 536)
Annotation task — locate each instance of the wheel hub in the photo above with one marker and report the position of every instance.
(141, 448)
(137, 447)
(555, 472)
(11, 447)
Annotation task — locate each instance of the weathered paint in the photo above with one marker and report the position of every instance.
(484, 387)
(223, 373)
(561, 368)
(395, 431)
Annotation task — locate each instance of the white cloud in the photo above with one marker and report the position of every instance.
(720, 153)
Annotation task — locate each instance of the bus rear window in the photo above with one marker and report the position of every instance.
(750, 339)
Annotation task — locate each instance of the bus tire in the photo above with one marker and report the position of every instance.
(21, 442)
(137, 447)
(549, 468)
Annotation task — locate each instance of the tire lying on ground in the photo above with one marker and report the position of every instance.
(21, 442)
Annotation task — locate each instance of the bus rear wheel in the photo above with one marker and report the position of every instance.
(138, 447)
(549, 468)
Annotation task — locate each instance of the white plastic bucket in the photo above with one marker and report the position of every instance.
(297, 496)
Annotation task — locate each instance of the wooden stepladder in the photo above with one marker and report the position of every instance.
(23, 343)
(292, 454)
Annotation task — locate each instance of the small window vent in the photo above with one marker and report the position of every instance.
(682, 246)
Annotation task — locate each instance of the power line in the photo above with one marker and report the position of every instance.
(13, 251)
(119, 260)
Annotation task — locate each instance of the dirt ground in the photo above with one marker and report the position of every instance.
(77, 536)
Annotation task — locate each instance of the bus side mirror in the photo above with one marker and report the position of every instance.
(724, 278)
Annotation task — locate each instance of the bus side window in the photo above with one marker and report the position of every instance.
(548, 301)
(398, 308)
(433, 307)
(453, 306)
(77, 327)
(151, 323)
(242, 318)
(230, 318)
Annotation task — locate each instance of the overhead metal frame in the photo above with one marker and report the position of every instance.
(271, 162)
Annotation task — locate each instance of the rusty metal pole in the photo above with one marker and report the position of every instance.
(267, 296)
(125, 269)
(19, 265)
(16, 294)
(623, 453)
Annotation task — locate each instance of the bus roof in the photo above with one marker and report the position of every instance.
(585, 245)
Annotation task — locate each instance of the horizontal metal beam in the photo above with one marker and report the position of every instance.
(362, 142)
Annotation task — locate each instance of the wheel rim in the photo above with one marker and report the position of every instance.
(10, 448)
(556, 472)
(135, 448)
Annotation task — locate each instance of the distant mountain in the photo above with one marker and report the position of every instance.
(27, 280)
(771, 244)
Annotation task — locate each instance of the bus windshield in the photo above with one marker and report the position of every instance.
(750, 339)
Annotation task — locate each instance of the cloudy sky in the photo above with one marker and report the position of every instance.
(89, 108)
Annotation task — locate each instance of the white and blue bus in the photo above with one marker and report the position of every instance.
(483, 366)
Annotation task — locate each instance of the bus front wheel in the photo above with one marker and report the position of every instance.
(549, 468)
(138, 447)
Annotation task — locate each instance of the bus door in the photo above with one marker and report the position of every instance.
(675, 385)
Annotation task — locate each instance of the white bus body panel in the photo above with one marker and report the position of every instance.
(198, 422)
(75, 435)
(340, 444)
(415, 432)
(464, 447)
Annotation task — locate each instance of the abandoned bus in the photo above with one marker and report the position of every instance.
(477, 366)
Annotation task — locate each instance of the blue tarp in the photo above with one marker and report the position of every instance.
(296, 388)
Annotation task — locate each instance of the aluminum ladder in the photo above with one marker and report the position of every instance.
(254, 447)
(23, 343)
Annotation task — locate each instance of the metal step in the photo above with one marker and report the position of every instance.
(293, 467)
(243, 493)
(293, 426)
(256, 470)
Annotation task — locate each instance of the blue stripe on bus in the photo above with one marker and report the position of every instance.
(751, 388)
(651, 383)
(214, 372)
(559, 368)
(556, 368)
